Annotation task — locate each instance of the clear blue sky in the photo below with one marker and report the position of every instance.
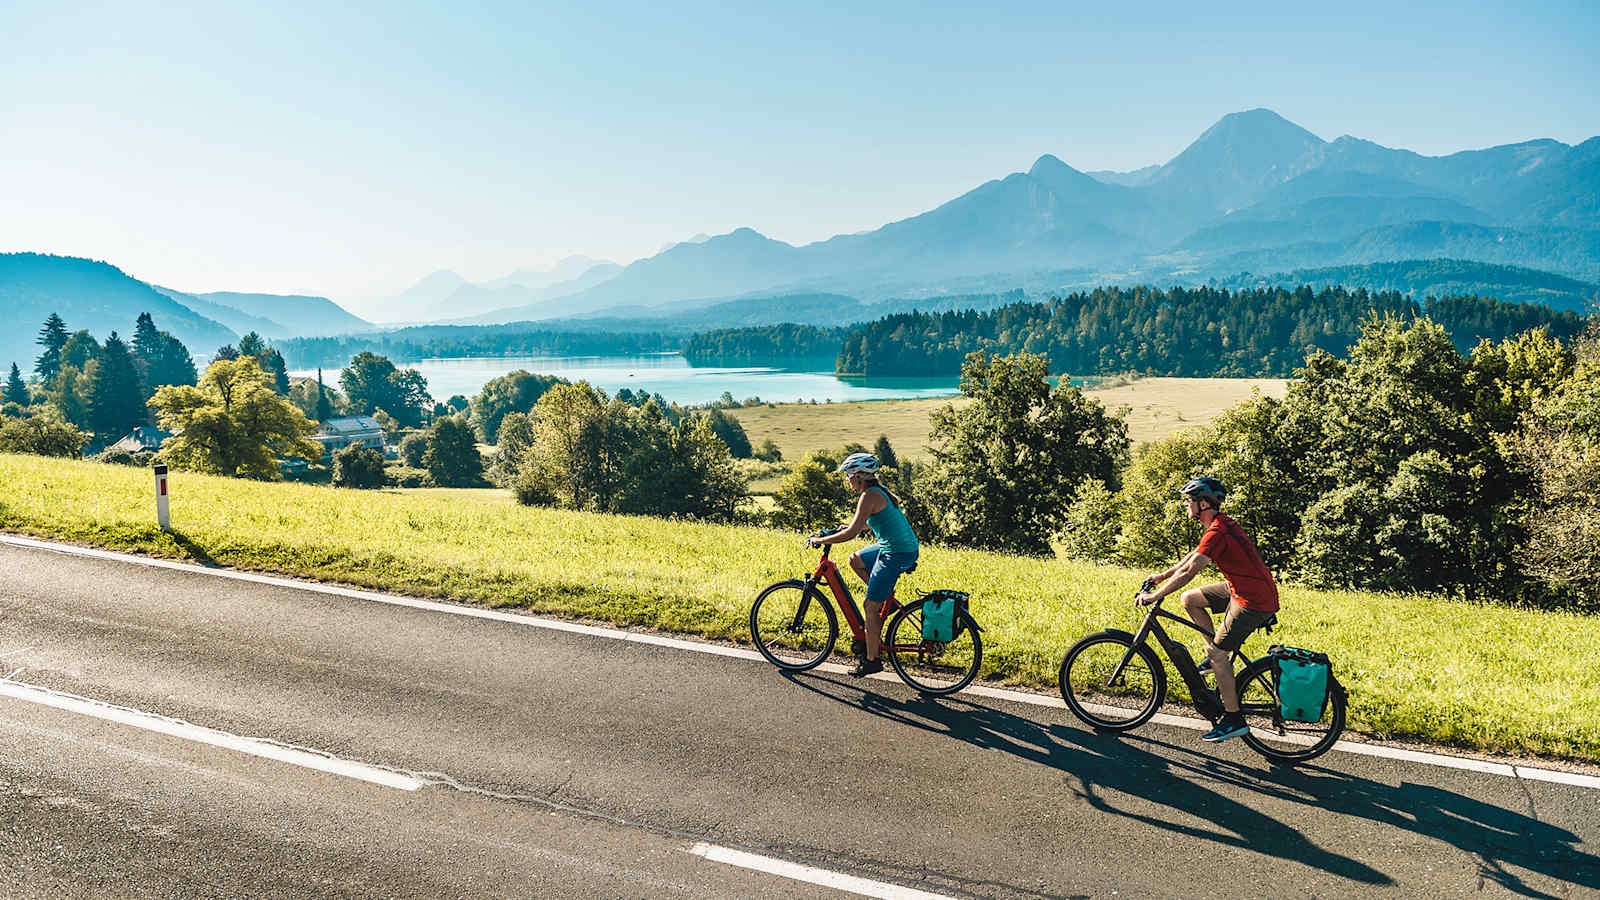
(347, 151)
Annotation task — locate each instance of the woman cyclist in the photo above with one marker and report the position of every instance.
(881, 564)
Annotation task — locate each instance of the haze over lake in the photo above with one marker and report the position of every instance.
(671, 376)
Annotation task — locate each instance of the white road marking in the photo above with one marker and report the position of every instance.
(1441, 760)
(178, 728)
(866, 887)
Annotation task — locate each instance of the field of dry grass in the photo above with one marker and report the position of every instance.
(1156, 408)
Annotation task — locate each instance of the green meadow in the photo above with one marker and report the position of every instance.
(1475, 676)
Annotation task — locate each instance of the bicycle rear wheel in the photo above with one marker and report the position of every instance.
(1119, 704)
(793, 626)
(1275, 737)
(932, 667)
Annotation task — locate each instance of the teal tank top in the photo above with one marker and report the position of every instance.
(891, 527)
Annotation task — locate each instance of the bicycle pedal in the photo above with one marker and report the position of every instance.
(858, 647)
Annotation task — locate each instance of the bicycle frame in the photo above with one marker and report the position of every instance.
(1205, 698)
(827, 572)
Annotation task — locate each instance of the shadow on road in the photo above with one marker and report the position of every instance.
(1099, 766)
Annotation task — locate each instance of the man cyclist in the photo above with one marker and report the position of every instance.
(1248, 597)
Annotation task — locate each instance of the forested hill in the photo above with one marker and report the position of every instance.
(744, 345)
(1439, 278)
(449, 341)
(1199, 332)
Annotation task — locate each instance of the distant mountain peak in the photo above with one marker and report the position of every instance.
(1047, 162)
(1256, 124)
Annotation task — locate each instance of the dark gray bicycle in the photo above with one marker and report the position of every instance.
(1113, 681)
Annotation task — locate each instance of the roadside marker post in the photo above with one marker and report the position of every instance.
(162, 517)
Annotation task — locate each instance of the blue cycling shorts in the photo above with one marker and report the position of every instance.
(883, 570)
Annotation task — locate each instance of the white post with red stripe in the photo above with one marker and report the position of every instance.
(162, 518)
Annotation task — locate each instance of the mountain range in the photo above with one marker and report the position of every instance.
(1254, 192)
(446, 296)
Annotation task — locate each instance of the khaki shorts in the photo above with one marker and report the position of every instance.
(1238, 623)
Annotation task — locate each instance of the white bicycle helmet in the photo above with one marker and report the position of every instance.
(862, 463)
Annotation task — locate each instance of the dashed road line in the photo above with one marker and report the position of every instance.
(865, 887)
(262, 747)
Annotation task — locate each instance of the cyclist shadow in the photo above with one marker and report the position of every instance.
(1101, 766)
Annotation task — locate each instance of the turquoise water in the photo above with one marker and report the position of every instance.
(671, 376)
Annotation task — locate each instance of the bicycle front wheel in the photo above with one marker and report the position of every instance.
(1277, 738)
(1118, 703)
(793, 626)
(933, 667)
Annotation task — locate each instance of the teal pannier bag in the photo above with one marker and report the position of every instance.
(1302, 683)
(939, 615)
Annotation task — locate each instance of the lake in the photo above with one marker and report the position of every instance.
(671, 376)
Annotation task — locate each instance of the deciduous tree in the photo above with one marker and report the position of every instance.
(232, 423)
(1006, 464)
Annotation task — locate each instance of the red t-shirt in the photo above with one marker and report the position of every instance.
(1227, 546)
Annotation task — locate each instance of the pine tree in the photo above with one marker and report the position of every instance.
(16, 390)
(52, 337)
(147, 344)
(272, 363)
(252, 345)
(177, 365)
(324, 408)
(115, 395)
(885, 453)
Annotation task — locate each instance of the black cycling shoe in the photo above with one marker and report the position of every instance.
(1205, 665)
(865, 667)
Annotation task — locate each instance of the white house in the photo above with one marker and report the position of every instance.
(336, 434)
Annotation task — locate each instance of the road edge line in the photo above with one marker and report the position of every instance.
(1424, 757)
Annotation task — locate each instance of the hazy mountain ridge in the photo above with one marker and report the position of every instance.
(1255, 191)
(1439, 278)
(238, 320)
(299, 313)
(92, 295)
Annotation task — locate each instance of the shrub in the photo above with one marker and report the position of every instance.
(813, 497)
(407, 477)
(731, 432)
(355, 466)
(1091, 526)
(768, 452)
(412, 448)
(124, 458)
(452, 456)
(516, 436)
(42, 436)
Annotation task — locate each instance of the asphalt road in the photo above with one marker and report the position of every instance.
(569, 765)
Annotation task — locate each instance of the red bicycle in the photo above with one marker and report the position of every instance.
(794, 626)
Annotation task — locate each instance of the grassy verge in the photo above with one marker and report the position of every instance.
(1475, 676)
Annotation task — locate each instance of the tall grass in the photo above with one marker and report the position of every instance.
(1477, 676)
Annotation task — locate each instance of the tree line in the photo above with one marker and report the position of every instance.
(1195, 332)
(447, 341)
(744, 345)
(1186, 332)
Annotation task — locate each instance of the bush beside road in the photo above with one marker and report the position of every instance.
(1482, 677)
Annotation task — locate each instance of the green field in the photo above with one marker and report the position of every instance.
(1475, 676)
(1156, 408)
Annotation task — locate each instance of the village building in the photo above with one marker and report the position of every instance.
(336, 434)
